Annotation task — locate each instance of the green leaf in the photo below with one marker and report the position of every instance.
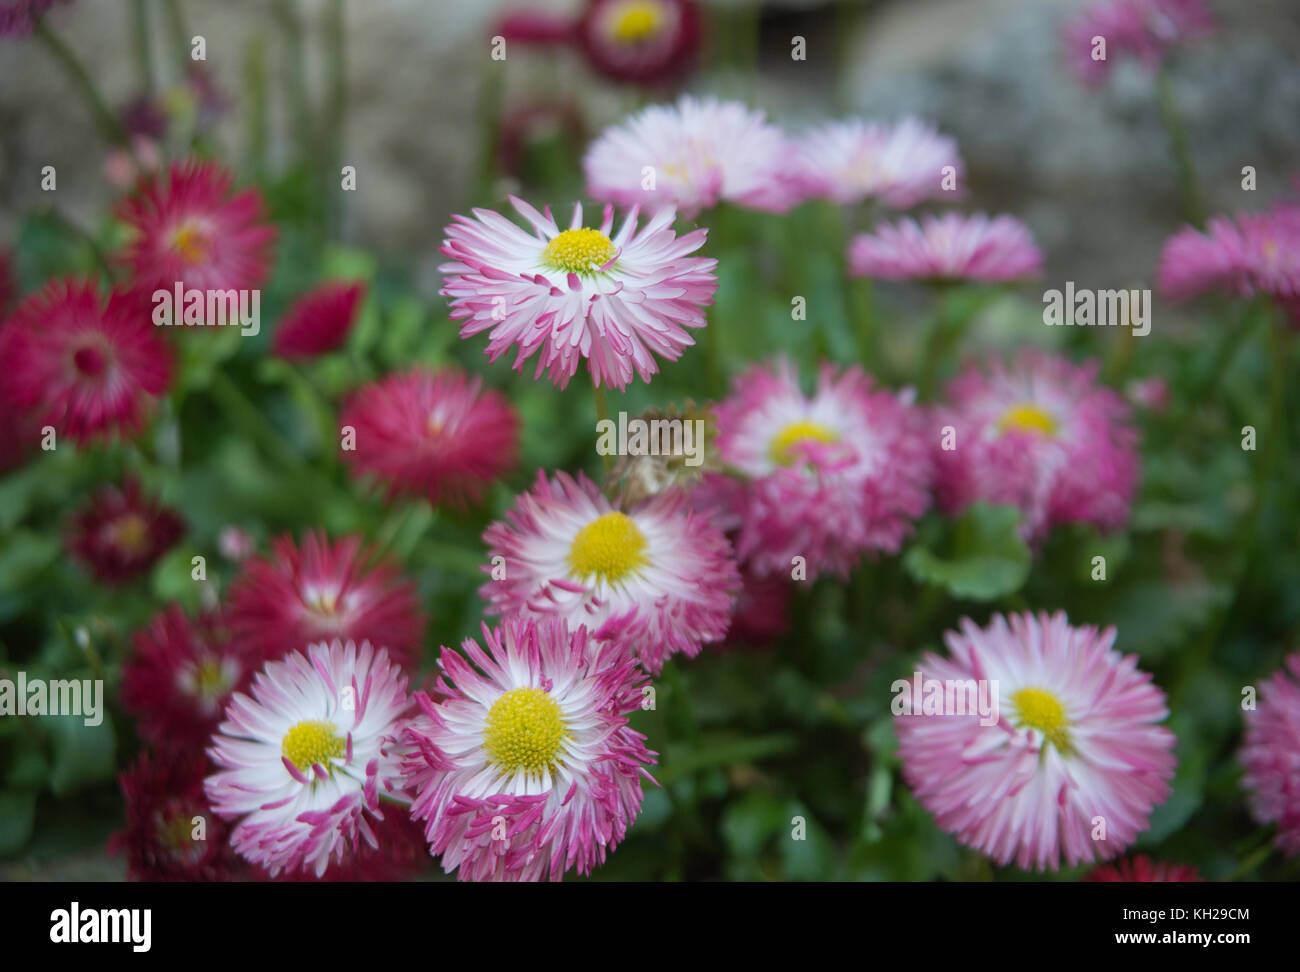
(986, 558)
(83, 755)
(751, 822)
(17, 815)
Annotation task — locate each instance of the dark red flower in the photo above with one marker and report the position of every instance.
(319, 321)
(640, 41)
(1142, 868)
(121, 533)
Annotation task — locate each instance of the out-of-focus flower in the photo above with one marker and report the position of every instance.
(654, 577)
(188, 228)
(18, 17)
(319, 321)
(693, 155)
(8, 283)
(398, 854)
(235, 544)
(181, 675)
(121, 533)
(1143, 869)
(1146, 30)
(1270, 755)
(144, 117)
(1070, 736)
(951, 247)
(1151, 394)
(171, 832)
(533, 746)
(88, 368)
(532, 121)
(899, 165)
(1041, 435)
(833, 476)
(436, 435)
(123, 169)
(304, 758)
(323, 591)
(640, 41)
(579, 293)
(762, 611)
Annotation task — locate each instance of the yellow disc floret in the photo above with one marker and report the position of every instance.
(1028, 417)
(581, 251)
(312, 741)
(191, 243)
(638, 21)
(524, 731)
(1039, 709)
(783, 445)
(609, 547)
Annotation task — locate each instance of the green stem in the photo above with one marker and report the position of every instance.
(109, 125)
(336, 107)
(602, 414)
(255, 89)
(1189, 192)
(936, 343)
(143, 50)
(253, 423)
(178, 35)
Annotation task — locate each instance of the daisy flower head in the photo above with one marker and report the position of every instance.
(1041, 434)
(1143, 870)
(653, 577)
(187, 228)
(319, 321)
(833, 475)
(581, 293)
(1270, 755)
(1251, 253)
(899, 165)
(525, 766)
(952, 247)
(437, 435)
(692, 155)
(1145, 30)
(181, 675)
(92, 369)
(639, 41)
(321, 591)
(1070, 748)
(304, 757)
(121, 533)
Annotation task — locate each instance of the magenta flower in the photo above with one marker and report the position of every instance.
(319, 321)
(951, 247)
(121, 533)
(1143, 870)
(580, 293)
(1146, 30)
(1271, 755)
(18, 17)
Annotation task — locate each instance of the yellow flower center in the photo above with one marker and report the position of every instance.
(580, 251)
(783, 445)
(312, 741)
(132, 533)
(191, 243)
(210, 678)
(609, 547)
(524, 731)
(638, 20)
(1027, 417)
(1041, 710)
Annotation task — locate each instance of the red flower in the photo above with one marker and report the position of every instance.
(640, 41)
(182, 675)
(121, 534)
(189, 229)
(321, 591)
(319, 321)
(1142, 868)
(432, 434)
(87, 368)
(165, 807)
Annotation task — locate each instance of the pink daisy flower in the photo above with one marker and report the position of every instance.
(833, 476)
(1075, 746)
(949, 247)
(1145, 30)
(639, 41)
(899, 165)
(91, 369)
(700, 151)
(304, 758)
(1253, 252)
(566, 295)
(525, 766)
(121, 533)
(187, 228)
(181, 676)
(432, 434)
(1271, 755)
(322, 591)
(1039, 434)
(1142, 869)
(654, 577)
(319, 321)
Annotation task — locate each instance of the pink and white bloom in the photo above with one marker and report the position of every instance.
(1042, 435)
(1244, 255)
(951, 247)
(524, 766)
(581, 293)
(654, 577)
(833, 475)
(305, 757)
(1146, 30)
(898, 165)
(693, 155)
(1076, 738)
(1271, 755)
